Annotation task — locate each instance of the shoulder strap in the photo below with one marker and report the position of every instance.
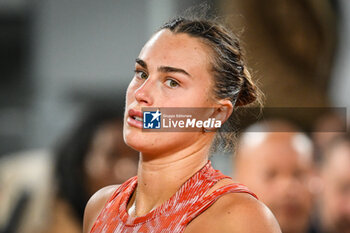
(210, 199)
(118, 190)
(122, 187)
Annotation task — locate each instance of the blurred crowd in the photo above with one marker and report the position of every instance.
(45, 191)
(304, 178)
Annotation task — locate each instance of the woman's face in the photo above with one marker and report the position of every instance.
(172, 70)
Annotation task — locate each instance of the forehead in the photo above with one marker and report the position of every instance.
(180, 50)
(278, 149)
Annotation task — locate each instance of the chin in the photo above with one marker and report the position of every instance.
(158, 142)
(132, 139)
(140, 141)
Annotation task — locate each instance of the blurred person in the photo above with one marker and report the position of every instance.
(327, 127)
(25, 190)
(92, 156)
(334, 201)
(189, 62)
(275, 161)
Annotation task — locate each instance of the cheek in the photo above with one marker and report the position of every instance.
(204, 93)
(130, 90)
(195, 97)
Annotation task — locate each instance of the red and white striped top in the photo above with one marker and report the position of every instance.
(173, 215)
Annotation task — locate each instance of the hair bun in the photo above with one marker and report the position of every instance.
(249, 91)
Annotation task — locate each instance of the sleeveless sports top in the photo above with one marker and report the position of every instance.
(173, 215)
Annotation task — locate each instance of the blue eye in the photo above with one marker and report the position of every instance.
(171, 83)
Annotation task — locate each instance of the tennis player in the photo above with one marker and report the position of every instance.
(187, 63)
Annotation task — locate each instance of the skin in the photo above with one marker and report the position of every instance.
(173, 159)
(335, 197)
(279, 174)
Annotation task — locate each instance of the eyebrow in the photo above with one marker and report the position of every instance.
(169, 69)
(164, 69)
(141, 62)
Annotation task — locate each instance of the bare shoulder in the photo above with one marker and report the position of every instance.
(243, 213)
(236, 212)
(95, 205)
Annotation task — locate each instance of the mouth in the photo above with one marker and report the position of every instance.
(135, 118)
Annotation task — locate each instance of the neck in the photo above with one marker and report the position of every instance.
(160, 178)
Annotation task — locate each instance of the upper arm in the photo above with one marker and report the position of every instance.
(95, 205)
(244, 214)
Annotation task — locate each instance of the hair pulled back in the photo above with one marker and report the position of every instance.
(231, 77)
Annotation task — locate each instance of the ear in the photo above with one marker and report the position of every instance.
(223, 111)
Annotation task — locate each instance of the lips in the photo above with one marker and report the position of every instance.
(135, 114)
(135, 118)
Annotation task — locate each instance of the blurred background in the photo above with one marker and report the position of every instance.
(59, 55)
(58, 58)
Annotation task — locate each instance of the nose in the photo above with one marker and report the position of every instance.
(291, 187)
(143, 94)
